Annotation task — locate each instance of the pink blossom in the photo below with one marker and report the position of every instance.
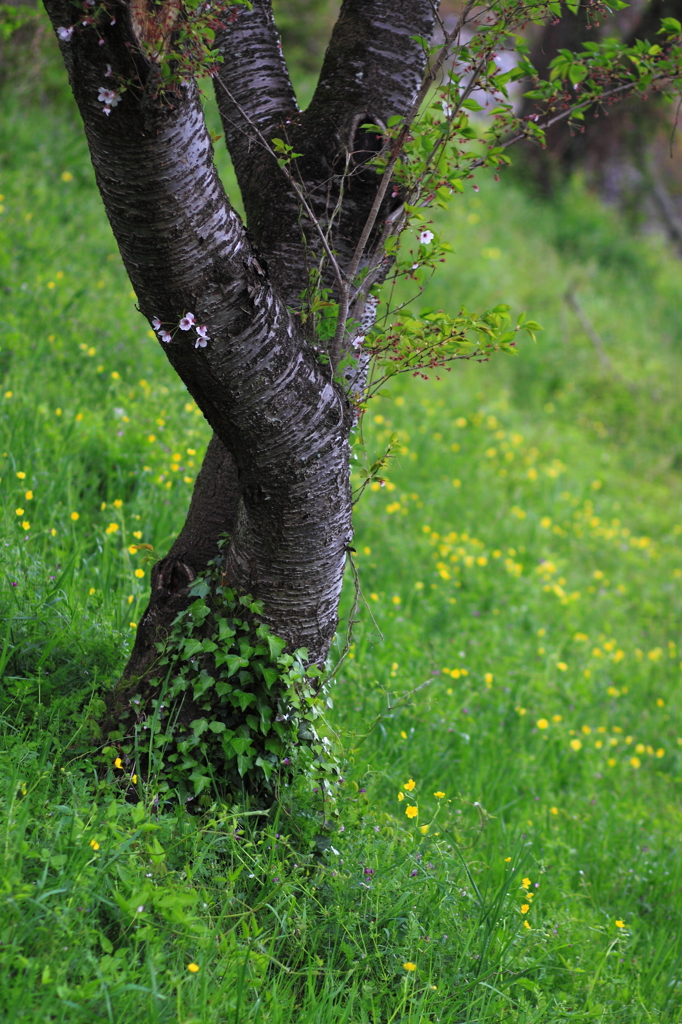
(200, 343)
(65, 33)
(202, 331)
(165, 337)
(187, 322)
(425, 237)
(156, 323)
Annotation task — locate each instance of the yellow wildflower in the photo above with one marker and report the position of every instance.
(193, 968)
(409, 785)
(411, 811)
(409, 966)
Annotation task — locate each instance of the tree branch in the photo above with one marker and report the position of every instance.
(257, 89)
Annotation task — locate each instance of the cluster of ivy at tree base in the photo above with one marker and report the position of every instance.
(230, 715)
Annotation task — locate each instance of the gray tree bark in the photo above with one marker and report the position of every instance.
(276, 474)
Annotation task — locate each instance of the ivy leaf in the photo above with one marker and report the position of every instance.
(234, 663)
(191, 647)
(203, 683)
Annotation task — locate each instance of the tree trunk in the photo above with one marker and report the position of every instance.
(275, 478)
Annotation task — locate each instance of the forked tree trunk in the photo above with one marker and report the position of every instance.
(276, 473)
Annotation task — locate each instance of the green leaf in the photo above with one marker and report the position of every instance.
(202, 684)
(234, 663)
(472, 105)
(577, 73)
(270, 675)
(276, 645)
(191, 647)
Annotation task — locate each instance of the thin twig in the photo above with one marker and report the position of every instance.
(351, 619)
(401, 703)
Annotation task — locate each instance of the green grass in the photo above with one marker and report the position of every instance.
(523, 561)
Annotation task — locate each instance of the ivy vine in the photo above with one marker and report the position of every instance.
(236, 713)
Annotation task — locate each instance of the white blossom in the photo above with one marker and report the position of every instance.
(65, 33)
(200, 342)
(109, 98)
(202, 331)
(448, 110)
(156, 323)
(165, 337)
(425, 237)
(187, 322)
(357, 342)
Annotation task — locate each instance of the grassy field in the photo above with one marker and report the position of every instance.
(506, 845)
